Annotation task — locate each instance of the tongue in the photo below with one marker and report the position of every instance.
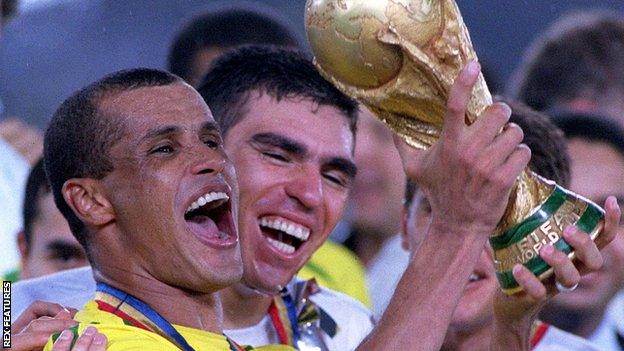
(206, 224)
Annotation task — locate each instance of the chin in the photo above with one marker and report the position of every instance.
(268, 281)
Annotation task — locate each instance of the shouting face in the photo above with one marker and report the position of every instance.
(173, 189)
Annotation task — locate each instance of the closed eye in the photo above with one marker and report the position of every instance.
(276, 156)
(338, 180)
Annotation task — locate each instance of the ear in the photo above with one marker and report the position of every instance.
(405, 242)
(22, 246)
(87, 199)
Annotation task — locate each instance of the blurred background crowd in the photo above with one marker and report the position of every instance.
(564, 57)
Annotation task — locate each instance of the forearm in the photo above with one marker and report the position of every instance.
(431, 286)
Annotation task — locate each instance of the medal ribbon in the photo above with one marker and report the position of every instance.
(137, 313)
(292, 310)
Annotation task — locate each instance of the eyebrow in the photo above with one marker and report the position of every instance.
(282, 142)
(342, 164)
(65, 247)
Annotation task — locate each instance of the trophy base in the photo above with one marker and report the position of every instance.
(522, 243)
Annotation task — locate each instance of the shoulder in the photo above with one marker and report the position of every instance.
(555, 339)
(71, 288)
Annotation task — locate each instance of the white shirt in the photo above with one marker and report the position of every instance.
(558, 340)
(352, 318)
(384, 273)
(13, 174)
(612, 322)
(73, 288)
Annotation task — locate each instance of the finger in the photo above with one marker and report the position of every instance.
(532, 286)
(99, 342)
(515, 163)
(611, 224)
(490, 123)
(29, 341)
(503, 145)
(64, 341)
(586, 250)
(410, 156)
(66, 314)
(50, 325)
(565, 272)
(461, 91)
(84, 341)
(35, 310)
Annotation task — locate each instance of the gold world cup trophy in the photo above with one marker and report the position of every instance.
(400, 58)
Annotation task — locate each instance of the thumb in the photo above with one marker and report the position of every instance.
(411, 157)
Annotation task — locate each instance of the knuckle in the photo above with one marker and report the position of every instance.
(454, 106)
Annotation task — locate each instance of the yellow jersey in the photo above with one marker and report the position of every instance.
(126, 337)
(337, 268)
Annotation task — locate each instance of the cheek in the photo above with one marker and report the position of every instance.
(335, 204)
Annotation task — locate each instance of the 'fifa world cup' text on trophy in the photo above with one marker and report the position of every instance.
(400, 59)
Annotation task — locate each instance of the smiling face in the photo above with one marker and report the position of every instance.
(295, 166)
(173, 190)
(474, 309)
(597, 170)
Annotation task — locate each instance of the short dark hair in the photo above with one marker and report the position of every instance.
(9, 8)
(36, 187)
(80, 135)
(225, 29)
(581, 55)
(279, 72)
(591, 127)
(549, 153)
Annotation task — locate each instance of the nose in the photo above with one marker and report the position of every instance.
(306, 188)
(207, 161)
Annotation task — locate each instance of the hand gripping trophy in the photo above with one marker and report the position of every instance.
(400, 58)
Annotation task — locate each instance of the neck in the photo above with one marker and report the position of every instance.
(367, 245)
(178, 306)
(243, 307)
(467, 340)
(582, 323)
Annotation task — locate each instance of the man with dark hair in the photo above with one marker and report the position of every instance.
(576, 65)
(596, 147)
(473, 320)
(203, 40)
(291, 140)
(136, 164)
(293, 148)
(46, 244)
(209, 35)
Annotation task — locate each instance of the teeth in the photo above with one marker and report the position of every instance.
(293, 229)
(473, 278)
(206, 199)
(281, 246)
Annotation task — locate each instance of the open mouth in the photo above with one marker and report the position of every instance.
(210, 218)
(283, 235)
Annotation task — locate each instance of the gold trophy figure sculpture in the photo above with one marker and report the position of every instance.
(400, 58)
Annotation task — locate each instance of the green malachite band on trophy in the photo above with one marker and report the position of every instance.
(588, 221)
(521, 230)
